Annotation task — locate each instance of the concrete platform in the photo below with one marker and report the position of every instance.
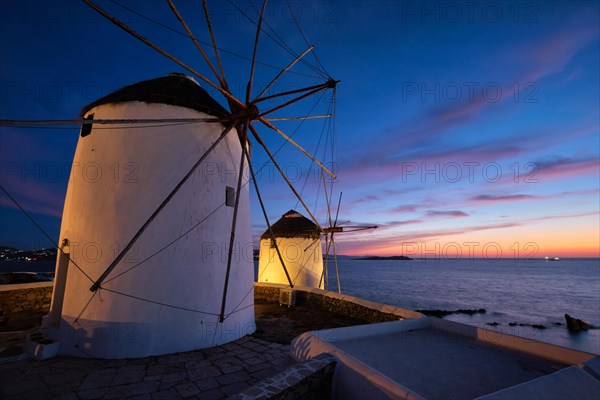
(431, 358)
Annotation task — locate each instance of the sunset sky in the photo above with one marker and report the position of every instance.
(463, 129)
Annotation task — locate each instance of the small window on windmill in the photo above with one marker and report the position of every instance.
(86, 128)
(229, 196)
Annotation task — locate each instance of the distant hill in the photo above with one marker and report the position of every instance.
(12, 254)
(377, 258)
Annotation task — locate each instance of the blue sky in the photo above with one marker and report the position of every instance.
(462, 128)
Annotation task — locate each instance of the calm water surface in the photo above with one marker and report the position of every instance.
(520, 291)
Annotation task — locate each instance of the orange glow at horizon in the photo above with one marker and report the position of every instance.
(572, 238)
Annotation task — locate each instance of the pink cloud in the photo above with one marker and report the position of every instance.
(503, 198)
(562, 168)
(35, 199)
(451, 214)
(374, 244)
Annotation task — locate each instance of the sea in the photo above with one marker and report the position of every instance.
(513, 292)
(523, 292)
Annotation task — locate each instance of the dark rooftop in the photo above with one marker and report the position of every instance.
(293, 224)
(175, 89)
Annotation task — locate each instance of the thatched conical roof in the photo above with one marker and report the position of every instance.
(293, 224)
(175, 89)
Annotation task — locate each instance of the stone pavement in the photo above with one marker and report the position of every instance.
(203, 374)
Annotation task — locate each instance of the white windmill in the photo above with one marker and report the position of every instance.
(156, 281)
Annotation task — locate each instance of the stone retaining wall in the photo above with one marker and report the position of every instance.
(25, 297)
(37, 296)
(351, 306)
(311, 379)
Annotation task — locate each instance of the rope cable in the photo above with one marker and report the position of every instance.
(231, 53)
(44, 232)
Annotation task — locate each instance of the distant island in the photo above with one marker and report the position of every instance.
(377, 258)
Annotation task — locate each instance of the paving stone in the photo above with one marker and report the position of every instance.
(214, 394)
(224, 360)
(187, 389)
(243, 339)
(233, 377)
(137, 361)
(254, 361)
(64, 389)
(283, 361)
(176, 377)
(212, 351)
(166, 395)
(15, 365)
(154, 370)
(255, 346)
(234, 388)
(60, 379)
(264, 373)
(172, 359)
(197, 364)
(245, 354)
(227, 369)
(230, 346)
(132, 389)
(258, 367)
(25, 385)
(66, 396)
(43, 395)
(140, 397)
(207, 384)
(98, 378)
(128, 374)
(174, 368)
(204, 373)
(73, 363)
(8, 378)
(253, 392)
(91, 394)
(237, 352)
(112, 363)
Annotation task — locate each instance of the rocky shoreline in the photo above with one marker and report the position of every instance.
(574, 325)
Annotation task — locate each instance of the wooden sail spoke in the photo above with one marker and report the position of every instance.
(243, 144)
(230, 98)
(214, 43)
(258, 28)
(335, 260)
(289, 139)
(326, 199)
(283, 71)
(269, 227)
(191, 36)
(327, 85)
(285, 178)
(294, 100)
(97, 284)
(299, 118)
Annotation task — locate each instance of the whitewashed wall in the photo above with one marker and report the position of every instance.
(119, 177)
(303, 259)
